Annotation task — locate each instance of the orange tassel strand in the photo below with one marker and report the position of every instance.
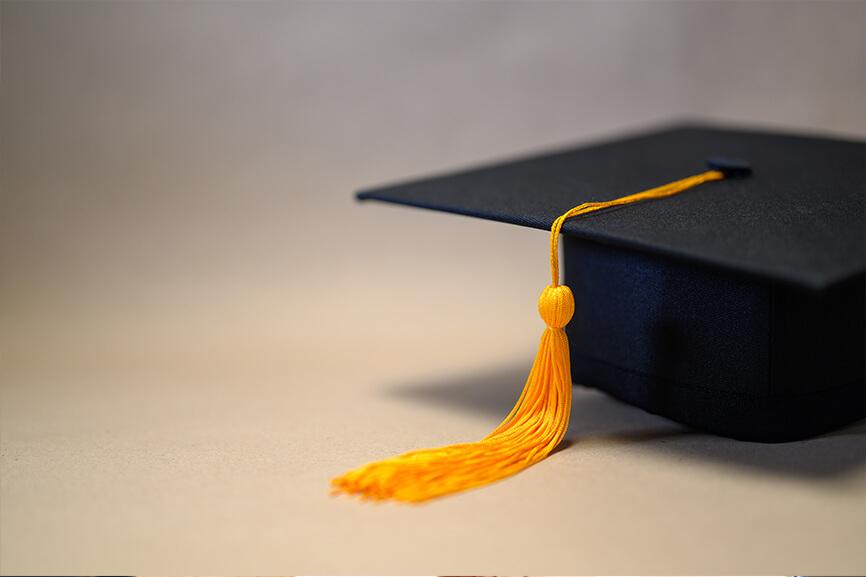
(535, 425)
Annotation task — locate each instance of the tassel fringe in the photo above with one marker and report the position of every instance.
(528, 434)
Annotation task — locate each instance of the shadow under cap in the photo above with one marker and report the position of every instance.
(599, 420)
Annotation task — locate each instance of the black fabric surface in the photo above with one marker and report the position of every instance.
(736, 355)
(799, 218)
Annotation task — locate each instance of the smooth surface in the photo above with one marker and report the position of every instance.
(800, 218)
(196, 316)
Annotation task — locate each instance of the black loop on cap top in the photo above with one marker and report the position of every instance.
(730, 167)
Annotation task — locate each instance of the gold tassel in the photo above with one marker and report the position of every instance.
(539, 419)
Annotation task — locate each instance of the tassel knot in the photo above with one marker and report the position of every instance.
(556, 305)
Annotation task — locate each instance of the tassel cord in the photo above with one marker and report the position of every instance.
(662, 191)
(534, 426)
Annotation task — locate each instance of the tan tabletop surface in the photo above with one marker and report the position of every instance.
(200, 327)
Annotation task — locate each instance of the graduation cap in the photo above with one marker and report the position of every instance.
(727, 297)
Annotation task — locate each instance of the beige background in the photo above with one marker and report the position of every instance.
(199, 327)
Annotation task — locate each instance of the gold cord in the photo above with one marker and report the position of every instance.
(535, 425)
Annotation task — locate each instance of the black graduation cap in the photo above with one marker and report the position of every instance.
(737, 307)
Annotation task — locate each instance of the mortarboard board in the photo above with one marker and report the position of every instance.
(737, 308)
